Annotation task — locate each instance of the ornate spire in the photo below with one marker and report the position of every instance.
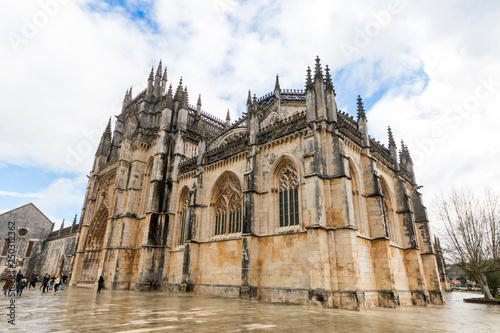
(228, 119)
(404, 155)
(74, 220)
(151, 75)
(62, 225)
(170, 92)
(249, 99)
(185, 97)
(199, 100)
(164, 77)
(125, 98)
(130, 94)
(308, 78)
(391, 138)
(318, 73)
(277, 84)
(178, 92)
(158, 71)
(328, 80)
(393, 149)
(403, 146)
(107, 131)
(361, 108)
(409, 156)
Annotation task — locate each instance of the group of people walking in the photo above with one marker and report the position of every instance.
(54, 282)
(16, 284)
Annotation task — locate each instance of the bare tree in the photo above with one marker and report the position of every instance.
(472, 232)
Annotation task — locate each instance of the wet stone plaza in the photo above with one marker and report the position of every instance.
(82, 310)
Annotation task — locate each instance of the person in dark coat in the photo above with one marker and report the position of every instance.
(45, 283)
(64, 280)
(100, 284)
(21, 285)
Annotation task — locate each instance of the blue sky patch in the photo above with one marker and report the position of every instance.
(139, 12)
(15, 178)
(410, 80)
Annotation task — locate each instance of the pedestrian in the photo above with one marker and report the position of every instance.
(45, 283)
(57, 282)
(100, 284)
(9, 283)
(64, 280)
(52, 279)
(19, 276)
(32, 282)
(21, 285)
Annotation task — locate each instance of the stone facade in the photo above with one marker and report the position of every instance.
(30, 228)
(36, 248)
(293, 202)
(58, 252)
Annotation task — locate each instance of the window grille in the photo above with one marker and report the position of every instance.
(288, 196)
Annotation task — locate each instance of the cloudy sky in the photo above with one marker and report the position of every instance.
(429, 69)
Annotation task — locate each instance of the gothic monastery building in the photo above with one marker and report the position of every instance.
(293, 202)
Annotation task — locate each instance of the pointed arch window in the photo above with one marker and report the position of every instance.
(288, 196)
(184, 213)
(228, 207)
(392, 225)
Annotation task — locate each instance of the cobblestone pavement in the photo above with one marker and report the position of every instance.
(82, 310)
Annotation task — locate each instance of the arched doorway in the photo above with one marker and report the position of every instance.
(93, 246)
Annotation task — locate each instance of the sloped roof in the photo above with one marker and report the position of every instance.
(26, 206)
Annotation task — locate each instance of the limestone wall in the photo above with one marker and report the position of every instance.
(283, 262)
(399, 268)
(58, 256)
(217, 263)
(366, 264)
(175, 267)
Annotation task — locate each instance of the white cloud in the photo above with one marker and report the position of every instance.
(19, 195)
(61, 199)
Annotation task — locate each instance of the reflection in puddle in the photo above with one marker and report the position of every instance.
(80, 309)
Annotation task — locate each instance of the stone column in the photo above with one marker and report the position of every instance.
(427, 250)
(381, 248)
(248, 291)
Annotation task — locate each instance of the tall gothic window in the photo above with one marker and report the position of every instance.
(184, 214)
(289, 196)
(393, 227)
(228, 207)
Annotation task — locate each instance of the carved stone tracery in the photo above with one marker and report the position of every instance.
(228, 207)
